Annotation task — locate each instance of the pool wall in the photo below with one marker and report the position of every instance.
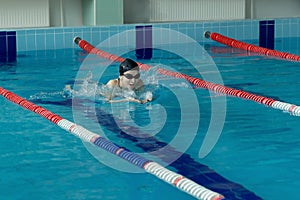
(61, 38)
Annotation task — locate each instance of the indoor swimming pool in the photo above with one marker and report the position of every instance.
(255, 156)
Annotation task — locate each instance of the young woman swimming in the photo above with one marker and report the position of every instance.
(128, 80)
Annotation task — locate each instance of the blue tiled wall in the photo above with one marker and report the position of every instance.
(58, 38)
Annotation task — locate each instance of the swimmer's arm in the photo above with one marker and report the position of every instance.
(124, 100)
(130, 100)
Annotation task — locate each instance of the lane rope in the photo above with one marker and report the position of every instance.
(250, 47)
(193, 169)
(186, 185)
(221, 89)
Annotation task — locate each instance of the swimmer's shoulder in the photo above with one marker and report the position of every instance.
(112, 83)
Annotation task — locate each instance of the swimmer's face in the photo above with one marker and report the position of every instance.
(130, 79)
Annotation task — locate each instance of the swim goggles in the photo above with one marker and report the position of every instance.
(130, 76)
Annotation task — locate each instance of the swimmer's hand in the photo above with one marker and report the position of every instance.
(144, 101)
(148, 98)
(125, 100)
(138, 100)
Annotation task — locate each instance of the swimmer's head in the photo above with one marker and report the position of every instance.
(127, 65)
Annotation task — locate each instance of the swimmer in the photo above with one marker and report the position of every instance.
(129, 80)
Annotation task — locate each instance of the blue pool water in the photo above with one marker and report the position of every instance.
(255, 157)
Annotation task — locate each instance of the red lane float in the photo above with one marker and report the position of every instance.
(186, 185)
(292, 109)
(249, 47)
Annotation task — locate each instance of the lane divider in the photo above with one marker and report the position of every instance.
(192, 169)
(250, 47)
(286, 107)
(186, 185)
